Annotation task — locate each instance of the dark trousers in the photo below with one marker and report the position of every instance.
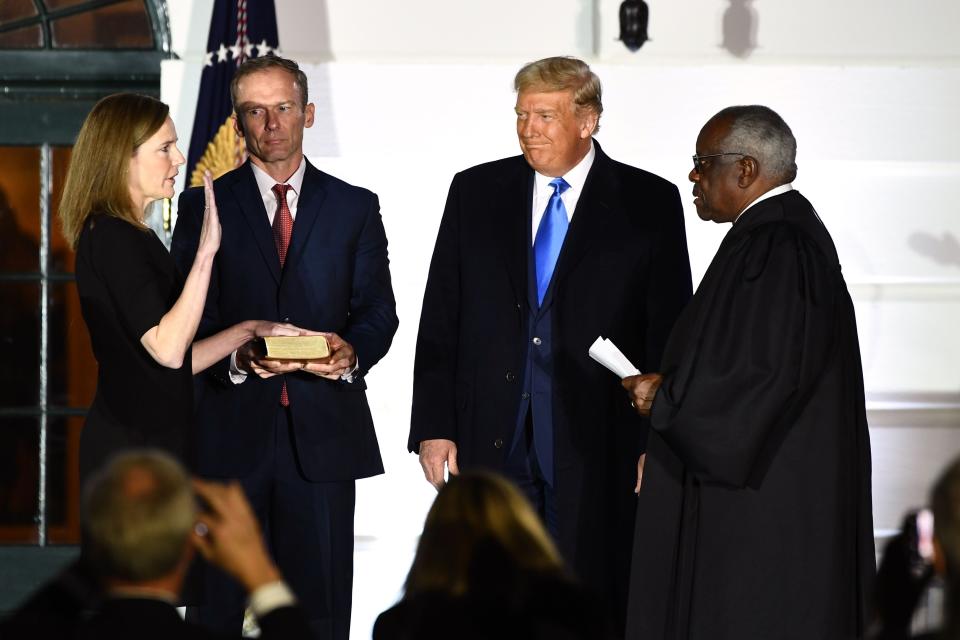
(524, 470)
(308, 527)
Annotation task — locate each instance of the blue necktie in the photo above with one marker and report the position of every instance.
(550, 234)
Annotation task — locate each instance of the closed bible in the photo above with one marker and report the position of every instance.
(295, 347)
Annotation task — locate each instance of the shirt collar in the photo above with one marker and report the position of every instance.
(576, 177)
(265, 182)
(776, 191)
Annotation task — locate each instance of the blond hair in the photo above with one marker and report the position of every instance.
(471, 511)
(137, 514)
(98, 178)
(563, 73)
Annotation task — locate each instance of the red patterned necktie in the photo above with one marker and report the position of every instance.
(282, 222)
(282, 230)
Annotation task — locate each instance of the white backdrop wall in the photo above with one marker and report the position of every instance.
(409, 93)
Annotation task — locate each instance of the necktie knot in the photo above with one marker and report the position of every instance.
(282, 221)
(281, 190)
(559, 186)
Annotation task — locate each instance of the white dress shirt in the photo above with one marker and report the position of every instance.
(265, 185)
(776, 191)
(272, 596)
(542, 191)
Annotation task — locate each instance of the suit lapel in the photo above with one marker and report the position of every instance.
(309, 204)
(244, 188)
(589, 220)
(512, 215)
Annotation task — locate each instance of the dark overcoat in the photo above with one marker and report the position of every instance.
(622, 273)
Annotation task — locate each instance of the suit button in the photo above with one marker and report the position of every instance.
(287, 319)
(537, 341)
(510, 377)
(524, 396)
(498, 443)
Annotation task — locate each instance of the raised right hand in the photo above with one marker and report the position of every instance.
(210, 232)
(433, 455)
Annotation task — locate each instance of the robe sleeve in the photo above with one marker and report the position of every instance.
(763, 330)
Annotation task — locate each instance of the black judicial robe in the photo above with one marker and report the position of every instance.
(754, 520)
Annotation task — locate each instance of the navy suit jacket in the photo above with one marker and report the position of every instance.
(622, 273)
(336, 278)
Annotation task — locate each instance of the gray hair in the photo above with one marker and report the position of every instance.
(761, 133)
(137, 513)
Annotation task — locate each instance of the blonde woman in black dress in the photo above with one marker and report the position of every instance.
(141, 315)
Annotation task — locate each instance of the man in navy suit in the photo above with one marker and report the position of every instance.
(536, 256)
(302, 247)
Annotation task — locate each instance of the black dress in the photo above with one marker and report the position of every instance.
(127, 281)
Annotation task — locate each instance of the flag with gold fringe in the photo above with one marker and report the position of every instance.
(239, 29)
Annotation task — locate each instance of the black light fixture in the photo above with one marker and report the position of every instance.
(740, 28)
(634, 15)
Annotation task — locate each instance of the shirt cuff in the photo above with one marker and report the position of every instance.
(236, 375)
(348, 376)
(270, 597)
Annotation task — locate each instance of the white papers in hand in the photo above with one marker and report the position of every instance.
(606, 353)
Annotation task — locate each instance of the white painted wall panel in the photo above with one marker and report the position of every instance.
(815, 31)
(853, 31)
(909, 345)
(906, 462)
(894, 221)
(438, 29)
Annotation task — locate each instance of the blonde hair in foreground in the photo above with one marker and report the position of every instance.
(137, 514)
(98, 177)
(473, 509)
(563, 73)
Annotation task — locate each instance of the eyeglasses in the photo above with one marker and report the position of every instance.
(698, 160)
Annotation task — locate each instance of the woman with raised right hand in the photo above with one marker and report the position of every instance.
(142, 317)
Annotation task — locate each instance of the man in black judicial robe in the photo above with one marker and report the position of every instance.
(754, 516)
